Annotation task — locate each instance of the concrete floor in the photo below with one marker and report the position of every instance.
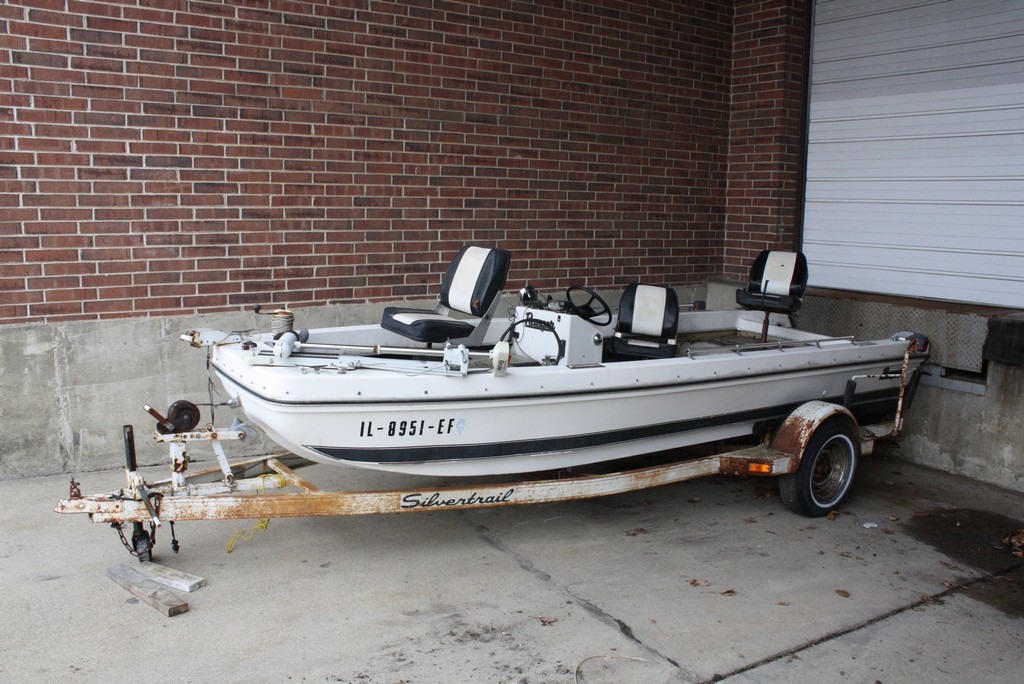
(711, 580)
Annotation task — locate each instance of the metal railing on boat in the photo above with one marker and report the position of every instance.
(777, 345)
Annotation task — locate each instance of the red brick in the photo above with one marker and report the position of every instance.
(349, 156)
(56, 311)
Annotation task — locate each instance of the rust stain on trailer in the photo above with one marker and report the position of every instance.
(794, 435)
(735, 466)
(209, 498)
(644, 479)
(796, 431)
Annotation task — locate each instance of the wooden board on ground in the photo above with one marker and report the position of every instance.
(146, 589)
(176, 579)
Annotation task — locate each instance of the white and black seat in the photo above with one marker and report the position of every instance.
(471, 287)
(648, 322)
(777, 284)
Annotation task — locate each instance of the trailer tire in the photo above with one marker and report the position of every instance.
(826, 470)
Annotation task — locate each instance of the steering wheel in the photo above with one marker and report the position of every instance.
(587, 310)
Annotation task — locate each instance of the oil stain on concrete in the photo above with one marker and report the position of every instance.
(975, 538)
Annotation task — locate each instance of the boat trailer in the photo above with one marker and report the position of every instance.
(242, 490)
(814, 452)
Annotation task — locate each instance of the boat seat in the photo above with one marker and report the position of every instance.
(471, 286)
(777, 284)
(648, 322)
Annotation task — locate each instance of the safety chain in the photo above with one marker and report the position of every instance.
(175, 545)
(124, 540)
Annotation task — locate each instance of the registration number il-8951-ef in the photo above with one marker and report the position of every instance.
(411, 428)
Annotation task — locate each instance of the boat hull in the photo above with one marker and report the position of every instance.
(399, 417)
(468, 438)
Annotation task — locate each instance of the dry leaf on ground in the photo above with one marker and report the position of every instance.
(1015, 540)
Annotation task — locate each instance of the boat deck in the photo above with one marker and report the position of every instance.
(698, 343)
(701, 333)
(719, 338)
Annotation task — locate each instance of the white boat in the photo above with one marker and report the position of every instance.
(463, 391)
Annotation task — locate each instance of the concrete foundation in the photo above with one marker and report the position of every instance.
(68, 389)
(981, 437)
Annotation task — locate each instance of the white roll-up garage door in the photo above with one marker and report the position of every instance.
(915, 172)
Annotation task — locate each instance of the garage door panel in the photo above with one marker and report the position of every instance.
(924, 60)
(937, 262)
(1005, 193)
(968, 100)
(873, 226)
(850, 29)
(922, 284)
(948, 227)
(993, 75)
(853, 15)
(899, 249)
(972, 123)
(915, 171)
(892, 165)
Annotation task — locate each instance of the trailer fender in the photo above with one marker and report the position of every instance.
(799, 426)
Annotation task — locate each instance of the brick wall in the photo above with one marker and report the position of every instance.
(162, 157)
(765, 157)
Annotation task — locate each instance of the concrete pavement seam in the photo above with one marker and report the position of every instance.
(595, 610)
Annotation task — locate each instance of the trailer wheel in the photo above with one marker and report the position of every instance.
(826, 470)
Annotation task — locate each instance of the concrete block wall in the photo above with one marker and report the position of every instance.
(69, 388)
(977, 434)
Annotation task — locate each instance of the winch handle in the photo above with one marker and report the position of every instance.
(168, 425)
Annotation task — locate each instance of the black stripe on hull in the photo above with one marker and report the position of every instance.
(867, 407)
